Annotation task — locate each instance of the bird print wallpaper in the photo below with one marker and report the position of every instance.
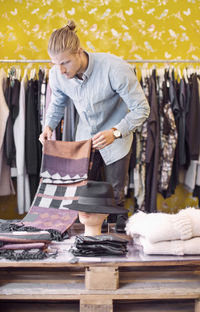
(132, 29)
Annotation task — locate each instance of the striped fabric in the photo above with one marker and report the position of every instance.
(48, 211)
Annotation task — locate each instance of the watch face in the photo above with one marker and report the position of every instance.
(117, 133)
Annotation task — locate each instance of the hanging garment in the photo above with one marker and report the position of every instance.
(182, 123)
(168, 140)
(48, 99)
(6, 185)
(33, 148)
(140, 167)
(173, 182)
(152, 150)
(42, 84)
(12, 99)
(23, 188)
(187, 125)
(193, 119)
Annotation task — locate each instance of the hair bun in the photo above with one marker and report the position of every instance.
(71, 24)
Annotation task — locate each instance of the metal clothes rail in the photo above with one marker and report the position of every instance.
(129, 61)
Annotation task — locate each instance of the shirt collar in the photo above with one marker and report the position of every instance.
(89, 69)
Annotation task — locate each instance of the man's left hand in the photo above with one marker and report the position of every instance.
(102, 139)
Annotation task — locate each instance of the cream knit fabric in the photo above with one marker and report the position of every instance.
(157, 227)
(175, 247)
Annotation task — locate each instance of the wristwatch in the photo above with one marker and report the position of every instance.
(117, 134)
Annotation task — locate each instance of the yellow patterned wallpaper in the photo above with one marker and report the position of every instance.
(133, 29)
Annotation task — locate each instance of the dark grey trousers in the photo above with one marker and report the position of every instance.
(115, 173)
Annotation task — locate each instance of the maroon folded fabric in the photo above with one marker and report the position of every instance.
(23, 246)
(25, 237)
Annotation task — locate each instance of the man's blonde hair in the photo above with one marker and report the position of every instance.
(64, 38)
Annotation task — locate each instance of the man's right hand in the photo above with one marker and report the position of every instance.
(46, 134)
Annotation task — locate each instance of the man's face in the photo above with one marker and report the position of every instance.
(69, 64)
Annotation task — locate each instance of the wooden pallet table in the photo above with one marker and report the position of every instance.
(97, 284)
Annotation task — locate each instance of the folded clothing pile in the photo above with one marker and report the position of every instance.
(166, 234)
(99, 246)
(25, 245)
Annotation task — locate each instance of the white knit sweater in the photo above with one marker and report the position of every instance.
(157, 227)
(175, 247)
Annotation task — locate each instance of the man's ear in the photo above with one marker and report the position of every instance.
(80, 50)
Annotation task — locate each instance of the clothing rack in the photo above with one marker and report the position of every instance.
(129, 61)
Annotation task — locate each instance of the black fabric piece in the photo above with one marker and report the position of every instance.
(152, 150)
(80, 239)
(182, 121)
(106, 251)
(196, 193)
(33, 148)
(110, 174)
(187, 125)
(193, 119)
(55, 235)
(101, 245)
(12, 100)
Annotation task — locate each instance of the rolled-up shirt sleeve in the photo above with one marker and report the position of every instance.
(57, 104)
(126, 84)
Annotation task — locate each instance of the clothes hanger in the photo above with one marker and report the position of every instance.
(33, 74)
(179, 75)
(18, 73)
(185, 75)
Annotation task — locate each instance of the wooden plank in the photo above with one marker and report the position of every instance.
(141, 285)
(124, 262)
(97, 304)
(101, 278)
(72, 297)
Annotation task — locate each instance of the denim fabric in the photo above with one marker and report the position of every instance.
(108, 96)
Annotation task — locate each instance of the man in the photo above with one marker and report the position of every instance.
(108, 98)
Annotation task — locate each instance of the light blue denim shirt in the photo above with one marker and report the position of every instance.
(108, 96)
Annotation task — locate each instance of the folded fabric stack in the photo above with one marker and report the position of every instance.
(25, 245)
(166, 234)
(99, 246)
(65, 168)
